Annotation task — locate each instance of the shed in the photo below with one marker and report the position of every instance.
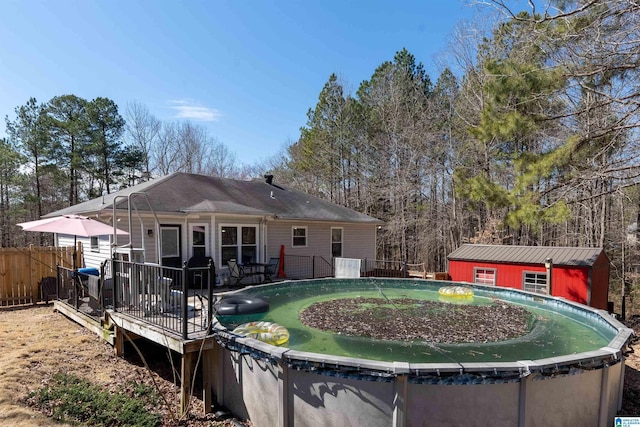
(576, 273)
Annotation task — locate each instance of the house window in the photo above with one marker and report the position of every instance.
(336, 242)
(170, 245)
(485, 276)
(95, 244)
(299, 236)
(534, 282)
(198, 240)
(239, 243)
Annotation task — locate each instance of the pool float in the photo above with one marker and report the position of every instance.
(234, 305)
(456, 292)
(268, 332)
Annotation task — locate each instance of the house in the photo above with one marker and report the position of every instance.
(577, 274)
(179, 216)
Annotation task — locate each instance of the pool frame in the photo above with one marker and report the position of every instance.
(276, 386)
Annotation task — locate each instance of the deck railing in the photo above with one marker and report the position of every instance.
(297, 267)
(178, 300)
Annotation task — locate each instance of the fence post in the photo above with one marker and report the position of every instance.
(77, 286)
(185, 301)
(32, 273)
(58, 281)
(101, 287)
(313, 267)
(212, 281)
(116, 282)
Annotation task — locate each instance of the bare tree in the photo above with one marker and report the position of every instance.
(185, 147)
(143, 131)
(222, 161)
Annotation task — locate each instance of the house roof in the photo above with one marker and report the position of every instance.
(183, 193)
(583, 257)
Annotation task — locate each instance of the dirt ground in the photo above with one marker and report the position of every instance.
(36, 342)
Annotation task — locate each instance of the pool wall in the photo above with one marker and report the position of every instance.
(274, 386)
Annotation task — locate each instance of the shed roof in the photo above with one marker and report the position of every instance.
(184, 193)
(584, 257)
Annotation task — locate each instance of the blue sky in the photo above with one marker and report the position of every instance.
(247, 71)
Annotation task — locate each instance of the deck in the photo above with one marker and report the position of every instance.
(128, 301)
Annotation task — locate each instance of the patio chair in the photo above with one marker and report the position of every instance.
(238, 271)
(49, 288)
(271, 269)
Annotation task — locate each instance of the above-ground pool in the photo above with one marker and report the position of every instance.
(568, 358)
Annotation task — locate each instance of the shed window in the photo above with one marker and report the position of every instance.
(534, 282)
(485, 276)
(299, 236)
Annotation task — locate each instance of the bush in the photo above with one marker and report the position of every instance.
(71, 399)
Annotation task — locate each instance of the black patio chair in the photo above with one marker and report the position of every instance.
(271, 269)
(49, 288)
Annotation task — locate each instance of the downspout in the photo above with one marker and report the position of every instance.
(186, 237)
(263, 238)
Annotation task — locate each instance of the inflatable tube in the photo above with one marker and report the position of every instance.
(456, 292)
(235, 305)
(268, 332)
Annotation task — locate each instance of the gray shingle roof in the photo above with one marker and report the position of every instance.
(189, 193)
(527, 254)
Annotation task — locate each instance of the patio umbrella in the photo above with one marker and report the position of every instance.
(75, 225)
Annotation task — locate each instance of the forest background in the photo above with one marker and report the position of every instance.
(529, 136)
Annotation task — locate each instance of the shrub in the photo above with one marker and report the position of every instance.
(71, 399)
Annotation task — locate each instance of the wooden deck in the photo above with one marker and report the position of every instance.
(118, 327)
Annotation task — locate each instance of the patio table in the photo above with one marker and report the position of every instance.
(256, 269)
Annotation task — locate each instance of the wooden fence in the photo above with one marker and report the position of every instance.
(21, 270)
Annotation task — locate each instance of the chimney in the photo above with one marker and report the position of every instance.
(268, 179)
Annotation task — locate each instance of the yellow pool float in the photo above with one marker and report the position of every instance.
(456, 292)
(268, 332)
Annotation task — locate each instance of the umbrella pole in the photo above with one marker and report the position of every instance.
(76, 278)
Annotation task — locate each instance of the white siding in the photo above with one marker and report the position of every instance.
(359, 240)
(90, 258)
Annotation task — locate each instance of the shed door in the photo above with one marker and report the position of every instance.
(170, 245)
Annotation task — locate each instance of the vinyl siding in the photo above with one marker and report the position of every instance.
(89, 258)
(359, 240)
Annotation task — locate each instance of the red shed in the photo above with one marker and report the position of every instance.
(577, 274)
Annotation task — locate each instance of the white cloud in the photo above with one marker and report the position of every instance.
(189, 110)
